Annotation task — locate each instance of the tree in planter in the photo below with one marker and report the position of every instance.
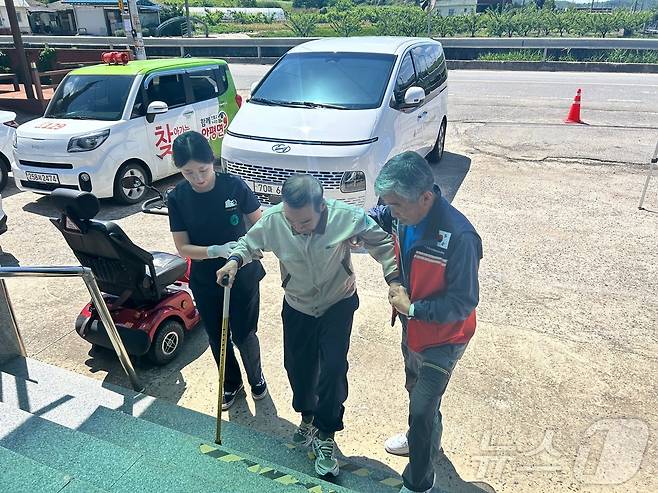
(345, 18)
(46, 60)
(5, 65)
(303, 25)
(471, 23)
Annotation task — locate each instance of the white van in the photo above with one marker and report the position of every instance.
(109, 121)
(339, 108)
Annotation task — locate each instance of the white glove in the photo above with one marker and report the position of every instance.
(223, 251)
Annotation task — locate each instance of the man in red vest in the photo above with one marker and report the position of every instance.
(438, 253)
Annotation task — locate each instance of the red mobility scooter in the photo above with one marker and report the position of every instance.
(147, 293)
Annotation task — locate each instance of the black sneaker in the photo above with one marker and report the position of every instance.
(259, 391)
(229, 397)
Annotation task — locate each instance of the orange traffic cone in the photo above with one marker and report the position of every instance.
(574, 112)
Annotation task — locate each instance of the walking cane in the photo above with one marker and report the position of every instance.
(222, 357)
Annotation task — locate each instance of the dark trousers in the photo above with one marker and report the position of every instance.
(243, 324)
(427, 375)
(315, 357)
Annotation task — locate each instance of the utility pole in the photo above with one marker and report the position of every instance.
(133, 27)
(20, 49)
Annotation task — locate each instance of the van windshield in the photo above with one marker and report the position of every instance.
(332, 80)
(90, 97)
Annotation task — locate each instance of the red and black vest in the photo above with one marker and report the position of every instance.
(423, 269)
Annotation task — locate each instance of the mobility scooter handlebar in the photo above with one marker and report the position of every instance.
(156, 206)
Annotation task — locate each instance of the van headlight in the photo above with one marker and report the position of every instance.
(14, 141)
(353, 181)
(88, 142)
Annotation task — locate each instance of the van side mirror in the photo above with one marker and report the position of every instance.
(414, 96)
(155, 108)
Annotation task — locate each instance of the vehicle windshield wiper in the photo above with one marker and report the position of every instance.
(269, 102)
(310, 104)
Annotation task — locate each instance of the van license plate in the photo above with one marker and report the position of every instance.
(42, 177)
(267, 188)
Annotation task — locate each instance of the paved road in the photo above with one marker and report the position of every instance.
(521, 114)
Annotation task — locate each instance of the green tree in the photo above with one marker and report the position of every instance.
(603, 23)
(444, 26)
(302, 24)
(401, 21)
(472, 23)
(345, 18)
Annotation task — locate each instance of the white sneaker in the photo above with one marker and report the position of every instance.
(398, 445)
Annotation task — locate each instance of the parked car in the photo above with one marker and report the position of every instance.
(7, 141)
(109, 121)
(339, 108)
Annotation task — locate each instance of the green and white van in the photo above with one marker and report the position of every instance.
(109, 121)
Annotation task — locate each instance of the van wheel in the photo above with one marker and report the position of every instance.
(4, 172)
(130, 195)
(167, 342)
(436, 153)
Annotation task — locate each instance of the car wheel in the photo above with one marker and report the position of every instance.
(436, 153)
(130, 195)
(167, 342)
(4, 173)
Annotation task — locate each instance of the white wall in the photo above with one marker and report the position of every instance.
(23, 22)
(277, 14)
(456, 7)
(92, 19)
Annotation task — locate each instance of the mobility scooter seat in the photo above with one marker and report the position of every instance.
(120, 267)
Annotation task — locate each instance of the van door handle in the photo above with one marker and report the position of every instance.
(188, 113)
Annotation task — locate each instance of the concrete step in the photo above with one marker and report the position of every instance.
(177, 449)
(107, 466)
(355, 475)
(22, 475)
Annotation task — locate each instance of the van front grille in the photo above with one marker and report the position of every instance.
(251, 172)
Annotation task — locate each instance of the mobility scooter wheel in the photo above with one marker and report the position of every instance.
(167, 342)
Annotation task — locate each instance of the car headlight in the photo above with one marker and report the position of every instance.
(88, 142)
(353, 181)
(14, 141)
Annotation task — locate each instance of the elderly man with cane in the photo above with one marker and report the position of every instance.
(311, 235)
(438, 252)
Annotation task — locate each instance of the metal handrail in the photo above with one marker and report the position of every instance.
(97, 299)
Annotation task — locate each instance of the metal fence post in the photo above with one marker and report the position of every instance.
(97, 299)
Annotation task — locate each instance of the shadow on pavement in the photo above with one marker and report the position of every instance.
(448, 480)
(164, 382)
(450, 172)
(110, 210)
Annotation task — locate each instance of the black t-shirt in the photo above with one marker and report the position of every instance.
(213, 218)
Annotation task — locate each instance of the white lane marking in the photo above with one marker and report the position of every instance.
(624, 100)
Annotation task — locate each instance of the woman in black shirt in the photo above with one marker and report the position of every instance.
(206, 218)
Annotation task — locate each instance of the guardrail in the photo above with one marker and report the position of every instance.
(96, 297)
(269, 47)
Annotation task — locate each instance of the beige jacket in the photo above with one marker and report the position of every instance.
(316, 269)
